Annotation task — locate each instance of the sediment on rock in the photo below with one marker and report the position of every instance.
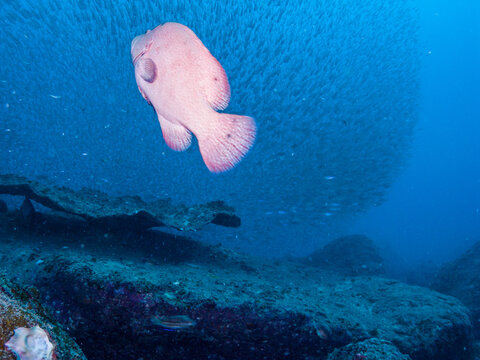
(126, 212)
(241, 307)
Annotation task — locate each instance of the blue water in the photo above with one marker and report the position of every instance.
(367, 115)
(432, 211)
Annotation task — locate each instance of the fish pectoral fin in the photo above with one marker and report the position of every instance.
(177, 137)
(215, 84)
(147, 69)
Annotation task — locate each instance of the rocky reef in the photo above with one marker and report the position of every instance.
(98, 209)
(22, 308)
(132, 295)
(461, 278)
(371, 349)
(125, 291)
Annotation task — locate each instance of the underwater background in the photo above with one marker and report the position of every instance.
(333, 86)
(366, 167)
(432, 212)
(349, 99)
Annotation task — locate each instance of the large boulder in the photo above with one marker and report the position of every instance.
(349, 255)
(21, 308)
(461, 278)
(174, 298)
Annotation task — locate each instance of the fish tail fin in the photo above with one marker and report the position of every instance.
(226, 141)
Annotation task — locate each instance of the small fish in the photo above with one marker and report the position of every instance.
(173, 322)
(55, 96)
(185, 84)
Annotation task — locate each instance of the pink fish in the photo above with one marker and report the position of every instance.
(185, 84)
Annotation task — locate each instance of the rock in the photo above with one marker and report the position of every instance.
(127, 212)
(349, 255)
(21, 308)
(3, 207)
(461, 278)
(371, 349)
(477, 349)
(117, 286)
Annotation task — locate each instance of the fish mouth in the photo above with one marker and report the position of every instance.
(144, 50)
(138, 57)
(141, 53)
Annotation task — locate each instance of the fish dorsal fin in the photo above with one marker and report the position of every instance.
(213, 79)
(215, 83)
(146, 69)
(176, 136)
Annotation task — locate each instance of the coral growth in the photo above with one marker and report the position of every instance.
(23, 316)
(31, 344)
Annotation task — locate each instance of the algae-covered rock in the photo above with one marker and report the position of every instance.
(477, 349)
(241, 307)
(102, 210)
(22, 308)
(461, 278)
(371, 349)
(349, 255)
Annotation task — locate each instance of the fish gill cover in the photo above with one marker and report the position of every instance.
(333, 86)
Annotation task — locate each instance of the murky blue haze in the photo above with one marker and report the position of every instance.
(347, 97)
(433, 209)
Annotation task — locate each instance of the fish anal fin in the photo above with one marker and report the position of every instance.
(177, 137)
